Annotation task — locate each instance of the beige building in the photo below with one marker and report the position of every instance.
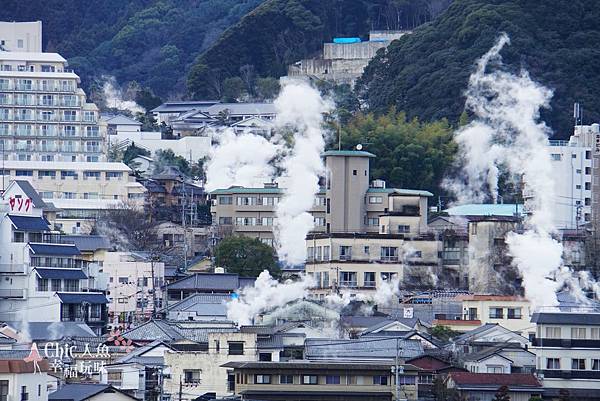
(44, 115)
(511, 312)
(21, 36)
(201, 372)
(79, 191)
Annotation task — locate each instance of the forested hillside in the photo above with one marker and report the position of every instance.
(152, 42)
(558, 42)
(280, 32)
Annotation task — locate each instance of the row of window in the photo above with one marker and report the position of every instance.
(44, 85)
(386, 253)
(496, 312)
(576, 364)
(350, 279)
(52, 174)
(577, 333)
(44, 285)
(558, 157)
(51, 157)
(68, 131)
(25, 99)
(46, 115)
(382, 380)
(249, 200)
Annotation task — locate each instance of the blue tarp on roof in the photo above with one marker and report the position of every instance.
(77, 298)
(506, 209)
(65, 274)
(346, 40)
(29, 223)
(54, 249)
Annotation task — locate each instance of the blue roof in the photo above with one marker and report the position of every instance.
(346, 40)
(505, 209)
(66, 274)
(29, 223)
(344, 153)
(54, 249)
(80, 297)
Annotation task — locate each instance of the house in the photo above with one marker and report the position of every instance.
(567, 346)
(23, 379)
(322, 381)
(377, 349)
(432, 368)
(512, 312)
(483, 386)
(89, 392)
(169, 110)
(206, 283)
(199, 307)
(485, 336)
(500, 359)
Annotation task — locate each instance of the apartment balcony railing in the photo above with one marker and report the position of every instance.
(348, 284)
(12, 268)
(48, 148)
(346, 257)
(12, 293)
(28, 132)
(65, 103)
(92, 149)
(5, 87)
(369, 284)
(24, 87)
(24, 148)
(393, 258)
(24, 117)
(570, 374)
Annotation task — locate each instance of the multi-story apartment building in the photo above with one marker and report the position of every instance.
(511, 312)
(78, 190)
(21, 36)
(567, 346)
(42, 278)
(44, 114)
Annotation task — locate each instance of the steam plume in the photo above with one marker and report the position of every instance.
(113, 96)
(300, 108)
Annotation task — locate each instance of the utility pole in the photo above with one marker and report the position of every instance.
(397, 369)
(180, 388)
(184, 229)
(152, 257)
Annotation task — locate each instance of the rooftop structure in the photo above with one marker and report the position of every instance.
(21, 36)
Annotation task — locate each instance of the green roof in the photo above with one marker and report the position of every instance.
(244, 190)
(400, 191)
(348, 153)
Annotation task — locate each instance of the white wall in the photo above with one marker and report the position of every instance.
(30, 33)
(194, 147)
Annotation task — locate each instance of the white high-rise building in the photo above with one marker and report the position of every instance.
(21, 36)
(44, 115)
(572, 172)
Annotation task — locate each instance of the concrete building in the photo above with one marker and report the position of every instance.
(20, 380)
(43, 277)
(483, 386)
(344, 60)
(21, 36)
(567, 346)
(135, 283)
(512, 312)
(44, 115)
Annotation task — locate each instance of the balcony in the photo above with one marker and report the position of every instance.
(12, 268)
(388, 259)
(24, 148)
(346, 257)
(565, 343)
(93, 149)
(12, 293)
(349, 284)
(369, 284)
(570, 374)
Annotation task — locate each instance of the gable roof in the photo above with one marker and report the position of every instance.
(120, 119)
(365, 349)
(385, 325)
(495, 379)
(153, 330)
(29, 191)
(479, 331)
(87, 243)
(82, 392)
(211, 282)
(202, 304)
(53, 249)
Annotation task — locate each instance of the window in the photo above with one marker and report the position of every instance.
(588, 170)
(333, 379)
(496, 313)
(192, 376)
(20, 43)
(375, 199)
(69, 115)
(286, 379)
(373, 221)
(246, 200)
(18, 236)
(404, 229)
(595, 333)
(473, 228)
(345, 252)
(47, 173)
(588, 154)
(24, 394)
(553, 332)
(326, 253)
(42, 284)
(319, 221)
(348, 279)
(588, 186)
(577, 364)
(91, 175)
(115, 378)
(389, 253)
(226, 221)
(514, 313)
(266, 221)
(369, 279)
(262, 379)
(225, 200)
(236, 347)
(556, 157)
(245, 221)
(71, 285)
(407, 380)
(578, 333)
(495, 369)
(354, 172)
(123, 280)
(265, 356)
(68, 173)
(69, 195)
(3, 390)
(425, 379)
(380, 380)
(595, 364)
(310, 379)
(325, 276)
(55, 285)
(552, 363)
(24, 173)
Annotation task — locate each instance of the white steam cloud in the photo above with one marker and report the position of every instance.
(244, 160)
(300, 108)
(113, 96)
(507, 132)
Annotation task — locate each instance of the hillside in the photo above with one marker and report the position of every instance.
(280, 32)
(152, 42)
(558, 42)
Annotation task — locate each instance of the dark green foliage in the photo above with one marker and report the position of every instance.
(245, 256)
(502, 394)
(410, 154)
(426, 73)
(232, 89)
(267, 88)
(152, 42)
(132, 152)
(443, 332)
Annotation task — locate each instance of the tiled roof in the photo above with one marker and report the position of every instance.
(29, 223)
(79, 297)
(153, 330)
(483, 297)
(495, 379)
(54, 249)
(211, 282)
(245, 190)
(67, 274)
(51, 331)
(378, 348)
(400, 191)
(87, 242)
(304, 364)
(202, 304)
(82, 392)
(174, 107)
(588, 319)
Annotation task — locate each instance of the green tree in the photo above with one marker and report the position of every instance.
(147, 99)
(245, 256)
(166, 157)
(535, 398)
(267, 88)
(410, 153)
(502, 394)
(443, 332)
(132, 152)
(232, 89)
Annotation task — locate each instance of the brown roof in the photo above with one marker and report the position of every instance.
(496, 379)
(488, 297)
(20, 366)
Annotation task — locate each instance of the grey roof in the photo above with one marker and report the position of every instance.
(376, 348)
(87, 243)
(153, 330)
(54, 330)
(587, 319)
(363, 321)
(120, 119)
(489, 351)
(275, 341)
(382, 324)
(476, 331)
(14, 354)
(31, 193)
(344, 153)
(202, 304)
(137, 355)
(241, 108)
(211, 282)
(179, 107)
(61, 273)
(305, 364)
(200, 334)
(82, 392)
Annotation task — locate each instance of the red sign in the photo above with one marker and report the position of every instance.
(21, 205)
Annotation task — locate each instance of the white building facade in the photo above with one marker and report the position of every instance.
(21, 36)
